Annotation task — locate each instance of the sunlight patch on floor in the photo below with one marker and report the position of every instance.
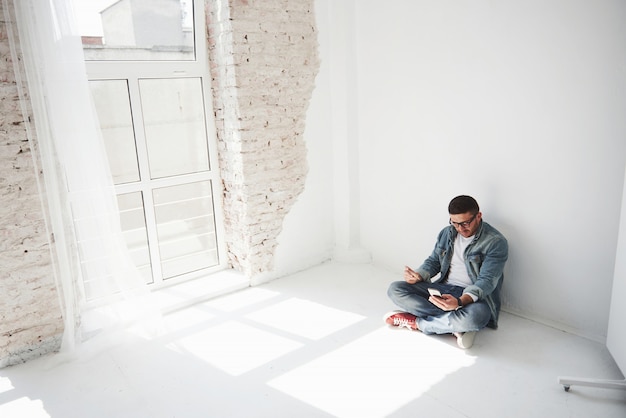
(235, 348)
(23, 407)
(5, 385)
(305, 318)
(186, 318)
(374, 375)
(241, 299)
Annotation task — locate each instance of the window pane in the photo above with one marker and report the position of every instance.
(174, 124)
(137, 30)
(133, 223)
(113, 108)
(186, 228)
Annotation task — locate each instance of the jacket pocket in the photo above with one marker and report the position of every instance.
(475, 261)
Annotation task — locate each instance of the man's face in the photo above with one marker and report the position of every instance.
(466, 224)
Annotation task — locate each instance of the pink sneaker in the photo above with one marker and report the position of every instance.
(401, 319)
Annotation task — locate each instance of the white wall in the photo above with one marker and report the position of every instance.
(518, 103)
(616, 340)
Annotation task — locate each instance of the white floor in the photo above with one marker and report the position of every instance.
(314, 345)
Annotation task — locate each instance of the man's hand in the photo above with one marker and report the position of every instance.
(445, 302)
(411, 276)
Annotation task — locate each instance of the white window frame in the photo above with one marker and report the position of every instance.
(133, 71)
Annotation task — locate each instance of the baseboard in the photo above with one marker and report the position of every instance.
(352, 255)
(557, 325)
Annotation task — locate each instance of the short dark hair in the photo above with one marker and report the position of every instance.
(463, 204)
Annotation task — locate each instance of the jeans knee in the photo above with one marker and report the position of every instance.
(391, 290)
(477, 318)
(395, 289)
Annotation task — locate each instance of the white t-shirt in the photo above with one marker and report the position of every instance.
(457, 275)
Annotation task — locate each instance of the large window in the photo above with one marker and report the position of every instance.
(148, 75)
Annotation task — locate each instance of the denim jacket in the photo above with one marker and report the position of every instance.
(485, 257)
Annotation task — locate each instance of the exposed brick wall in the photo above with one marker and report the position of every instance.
(30, 316)
(264, 61)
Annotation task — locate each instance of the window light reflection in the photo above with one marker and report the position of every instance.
(305, 318)
(5, 385)
(241, 299)
(405, 365)
(23, 407)
(235, 348)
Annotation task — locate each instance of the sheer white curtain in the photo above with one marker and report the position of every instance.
(99, 286)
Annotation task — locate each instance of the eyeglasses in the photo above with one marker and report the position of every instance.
(464, 224)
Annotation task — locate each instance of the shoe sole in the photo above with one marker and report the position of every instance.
(466, 339)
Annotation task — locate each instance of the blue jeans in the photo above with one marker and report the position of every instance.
(413, 298)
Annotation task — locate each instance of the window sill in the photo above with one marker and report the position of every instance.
(188, 293)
